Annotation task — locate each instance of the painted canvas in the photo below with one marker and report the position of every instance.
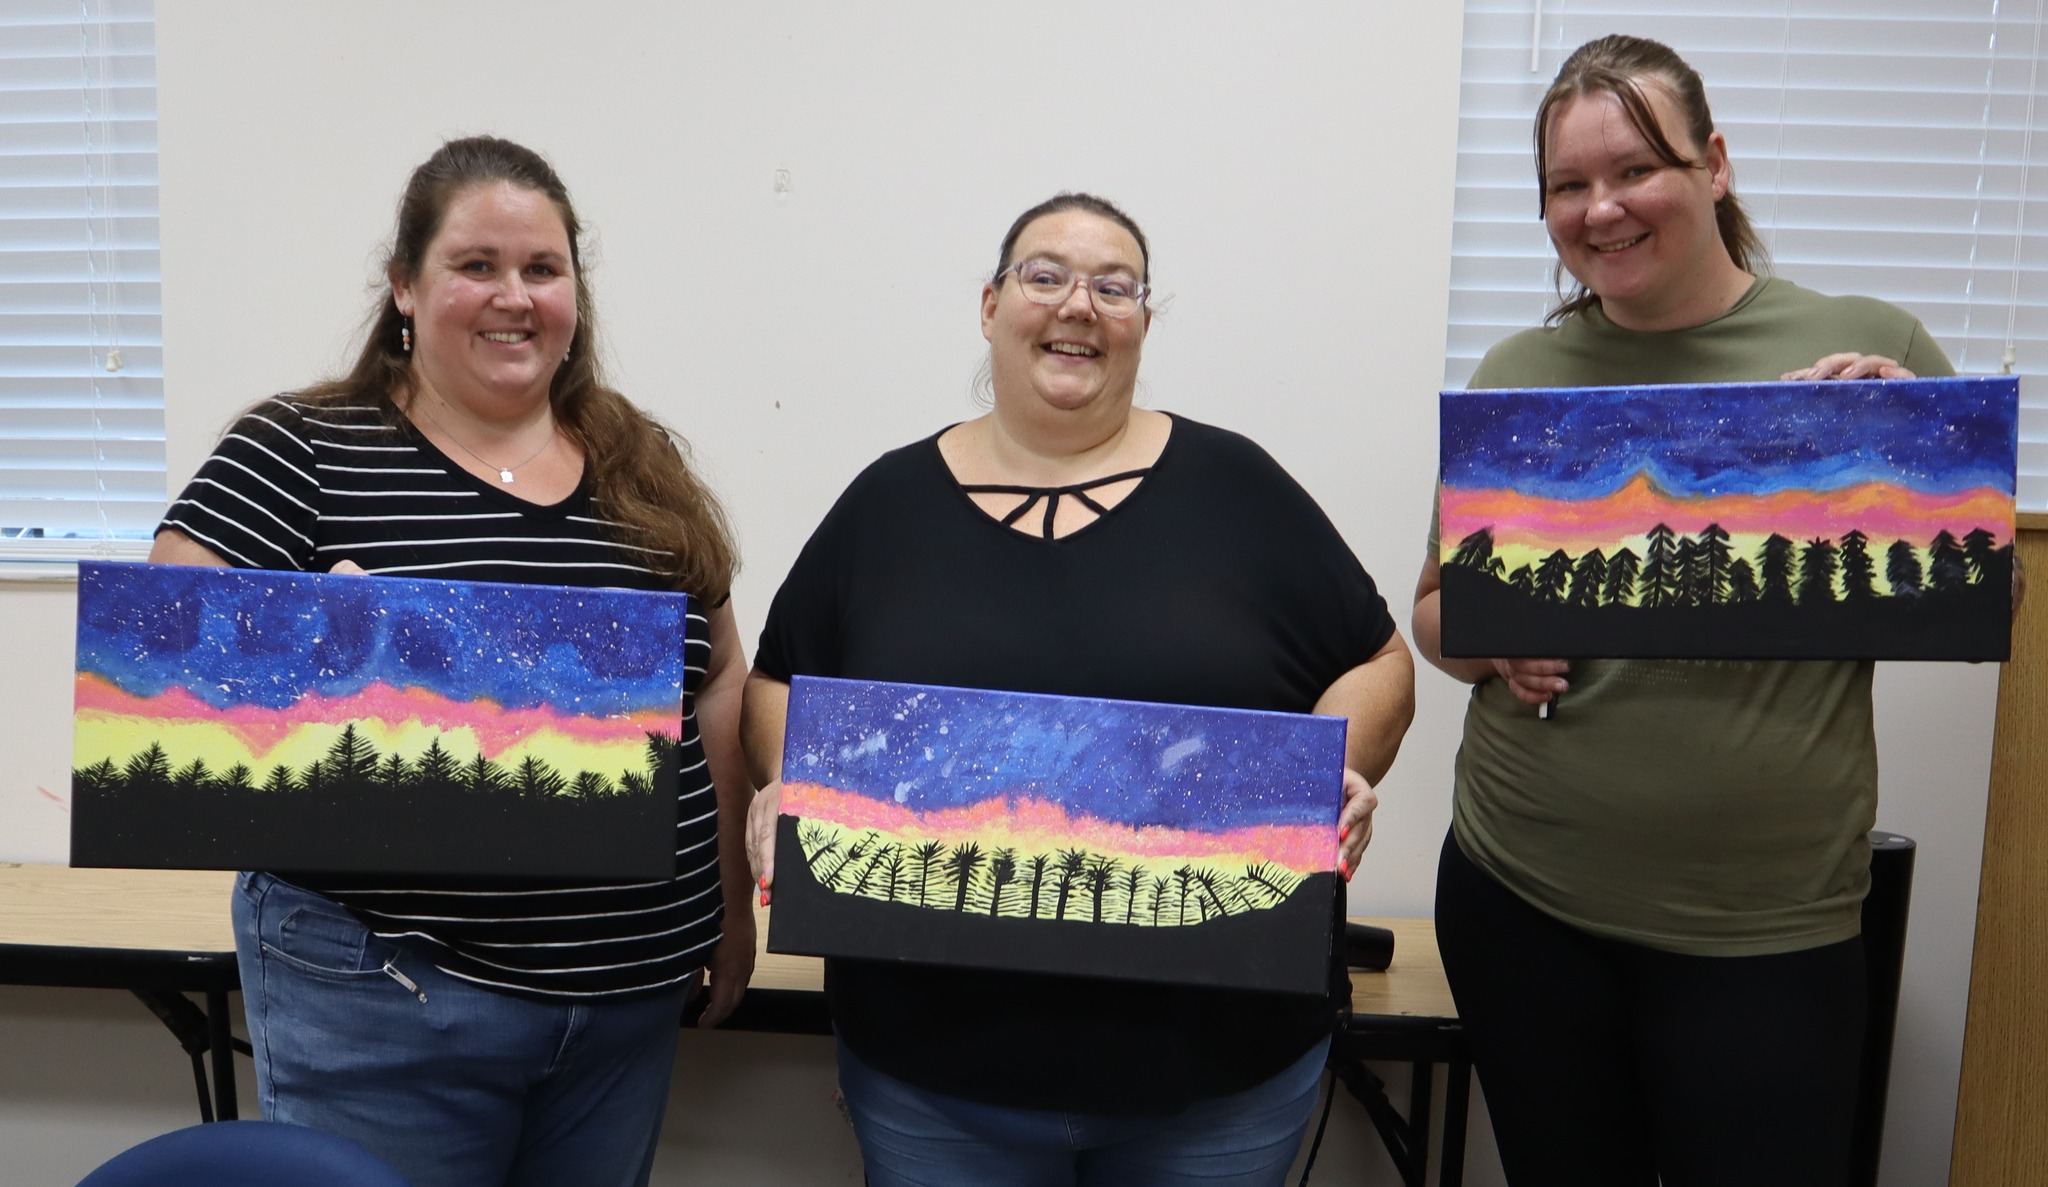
(1058, 834)
(1842, 520)
(247, 719)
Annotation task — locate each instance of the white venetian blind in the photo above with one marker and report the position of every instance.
(1881, 146)
(81, 359)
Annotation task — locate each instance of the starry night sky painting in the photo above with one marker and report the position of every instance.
(318, 723)
(1863, 519)
(1058, 835)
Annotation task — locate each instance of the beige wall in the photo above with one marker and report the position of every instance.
(1292, 164)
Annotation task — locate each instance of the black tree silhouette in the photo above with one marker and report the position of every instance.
(1658, 583)
(1902, 569)
(1859, 572)
(1817, 572)
(1587, 576)
(1774, 567)
(1620, 588)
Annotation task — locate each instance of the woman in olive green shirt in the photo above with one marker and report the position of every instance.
(1648, 905)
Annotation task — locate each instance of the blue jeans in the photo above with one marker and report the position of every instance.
(452, 1084)
(910, 1137)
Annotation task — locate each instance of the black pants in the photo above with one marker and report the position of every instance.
(1608, 1064)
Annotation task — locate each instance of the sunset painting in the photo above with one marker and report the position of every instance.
(248, 719)
(1849, 520)
(1058, 834)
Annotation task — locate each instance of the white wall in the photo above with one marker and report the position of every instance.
(1292, 165)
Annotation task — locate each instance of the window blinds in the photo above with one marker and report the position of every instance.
(81, 359)
(1881, 146)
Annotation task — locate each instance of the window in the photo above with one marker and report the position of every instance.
(1881, 146)
(81, 359)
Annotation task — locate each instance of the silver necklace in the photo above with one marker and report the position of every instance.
(504, 472)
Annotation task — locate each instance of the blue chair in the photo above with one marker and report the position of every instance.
(245, 1154)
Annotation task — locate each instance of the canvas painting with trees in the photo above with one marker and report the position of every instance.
(1058, 834)
(248, 719)
(1843, 520)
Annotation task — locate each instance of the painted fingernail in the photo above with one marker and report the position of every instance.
(1344, 868)
(1343, 832)
(764, 882)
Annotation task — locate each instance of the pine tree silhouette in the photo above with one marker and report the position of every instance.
(537, 780)
(1037, 867)
(1587, 576)
(1902, 569)
(1718, 558)
(867, 872)
(1551, 576)
(892, 872)
(1947, 568)
(1475, 551)
(237, 777)
(149, 768)
(1522, 582)
(926, 855)
(1980, 549)
(1100, 873)
(1183, 877)
(1658, 584)
(1817, 573)
(860, 846)
(280, 781)
(351, 759)
(482, 775)
(1691, 567)
(192, 778)
(961, 865)
(1620, 588)
(1859, 572)
(1070, 865)
(1002, 868)
(1774, 566)
(1134, 881)
(1742, 588)
(392, 773)
(434, 768)
(589, 785)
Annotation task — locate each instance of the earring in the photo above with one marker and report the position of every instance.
(405, 334)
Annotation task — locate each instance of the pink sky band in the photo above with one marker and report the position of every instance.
(1881, 511)
(261, 730)
(1041, 826)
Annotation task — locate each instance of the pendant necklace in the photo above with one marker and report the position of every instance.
(504, 472)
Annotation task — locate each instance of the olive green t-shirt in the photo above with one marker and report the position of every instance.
(1713, 807)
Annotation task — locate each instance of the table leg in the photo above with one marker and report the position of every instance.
(220, 1038)
(1457, 1101)
(1421, 1091)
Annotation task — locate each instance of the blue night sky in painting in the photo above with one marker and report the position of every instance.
(932, 748)
(1936, 436)
(256, 637)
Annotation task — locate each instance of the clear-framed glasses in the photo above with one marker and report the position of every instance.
(1116, 294)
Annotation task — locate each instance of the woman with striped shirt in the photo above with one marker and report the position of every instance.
(498, 1032)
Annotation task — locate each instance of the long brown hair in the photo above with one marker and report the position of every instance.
(639, 471)
(1617, 65)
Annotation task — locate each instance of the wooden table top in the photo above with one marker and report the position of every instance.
(187, 911)
(140, 910)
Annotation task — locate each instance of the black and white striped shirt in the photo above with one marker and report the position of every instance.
(304, 486)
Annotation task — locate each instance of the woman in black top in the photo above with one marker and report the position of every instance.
(486, 1031)
(1067, 542)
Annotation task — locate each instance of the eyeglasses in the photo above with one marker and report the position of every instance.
(1043, 282)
